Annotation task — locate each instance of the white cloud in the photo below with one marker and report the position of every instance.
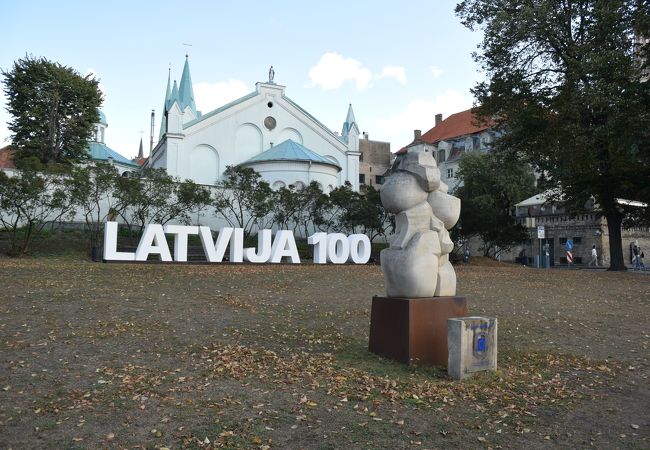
(333, 70)
(211, 96)
(419, 114)
(399, 73)
(435, 71)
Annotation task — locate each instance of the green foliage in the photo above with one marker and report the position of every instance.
(369, 214)
(28, 201)
(242, 198)
(348, 211)
(295, 208)
(492, 184)
(567, 82)
(156, 197)
(92, 190)
(53, 110)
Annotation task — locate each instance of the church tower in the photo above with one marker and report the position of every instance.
(183, 96)
(350, 131)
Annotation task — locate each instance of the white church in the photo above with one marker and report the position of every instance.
(264, 130)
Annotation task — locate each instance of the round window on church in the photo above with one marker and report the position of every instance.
(270, 123)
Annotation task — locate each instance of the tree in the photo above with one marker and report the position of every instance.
(53, 109)
(492, 184)
(368, 213)
(242, 198)
(287, 207)
(93, 192)
(567, 82)
(156, 197)
(332, 211)
(28, 201)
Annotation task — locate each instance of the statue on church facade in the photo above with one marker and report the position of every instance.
(417, 263)
(271, 74)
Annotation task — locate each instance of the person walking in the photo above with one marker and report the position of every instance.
(594, 257)
(635, 258)
(641, 263)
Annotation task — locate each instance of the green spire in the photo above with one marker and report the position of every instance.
(166, 105)
(349, 124)
(350, 118)
(174, 97)
(185, 92)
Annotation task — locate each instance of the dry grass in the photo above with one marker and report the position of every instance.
(242, 356)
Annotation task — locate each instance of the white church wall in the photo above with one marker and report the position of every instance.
(240, 132)
(248, 139)
(290, 133)
(290, 173)
(204, 164)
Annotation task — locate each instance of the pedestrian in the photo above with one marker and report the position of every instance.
(641, 263)
(594, 257)
(635, 257)
(466, 255)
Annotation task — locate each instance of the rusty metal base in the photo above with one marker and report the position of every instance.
(413, 330)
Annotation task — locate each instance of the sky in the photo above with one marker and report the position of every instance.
(398, 63)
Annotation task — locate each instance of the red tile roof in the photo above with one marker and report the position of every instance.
(460, 124)
(456, 125)
(7, 158)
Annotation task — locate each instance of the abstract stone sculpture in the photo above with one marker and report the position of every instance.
(417, 262)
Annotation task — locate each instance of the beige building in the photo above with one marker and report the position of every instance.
(374, 160)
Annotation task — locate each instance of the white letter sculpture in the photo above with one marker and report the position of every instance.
(417, 262)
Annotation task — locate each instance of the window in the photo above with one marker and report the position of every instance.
(577, 240)
(450, 173)
(379, 179)
(441, 156)
(362, 178)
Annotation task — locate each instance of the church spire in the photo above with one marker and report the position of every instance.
(350, 118)
(185, 91)
(166, 105)
(350, 125)
(140, 151)
(174, 97)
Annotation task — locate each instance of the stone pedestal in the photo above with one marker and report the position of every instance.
(472, 346)
(413, 330)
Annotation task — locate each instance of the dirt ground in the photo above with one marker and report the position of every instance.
(256, 356)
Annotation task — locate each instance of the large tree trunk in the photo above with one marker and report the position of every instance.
(614, 220)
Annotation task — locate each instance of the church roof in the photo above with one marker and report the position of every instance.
(99, 151)
(290, 151)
